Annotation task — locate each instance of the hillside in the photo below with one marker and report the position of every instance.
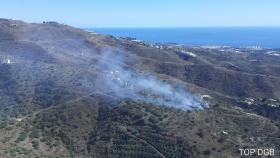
(65, 92)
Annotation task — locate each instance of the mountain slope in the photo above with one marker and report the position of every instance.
(59, 99)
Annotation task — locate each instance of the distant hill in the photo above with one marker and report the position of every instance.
(59, 97)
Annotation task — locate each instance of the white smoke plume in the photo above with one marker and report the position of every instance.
(121, 81)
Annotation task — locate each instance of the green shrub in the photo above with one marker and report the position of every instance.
(35, 144)
(34, 134)
(22, 137)
(3, 125)
(207, 152)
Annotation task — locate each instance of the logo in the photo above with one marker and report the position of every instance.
(257, 152)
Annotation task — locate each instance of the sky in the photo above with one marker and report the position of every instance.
(145, 13)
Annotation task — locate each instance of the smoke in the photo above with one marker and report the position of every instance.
(119, 80)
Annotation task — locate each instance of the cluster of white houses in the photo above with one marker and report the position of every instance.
(6, 60)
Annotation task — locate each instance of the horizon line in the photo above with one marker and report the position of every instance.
(171, 27)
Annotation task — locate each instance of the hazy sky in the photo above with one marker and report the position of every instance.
(145, 13)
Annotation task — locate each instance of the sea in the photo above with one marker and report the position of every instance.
(266, 37)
